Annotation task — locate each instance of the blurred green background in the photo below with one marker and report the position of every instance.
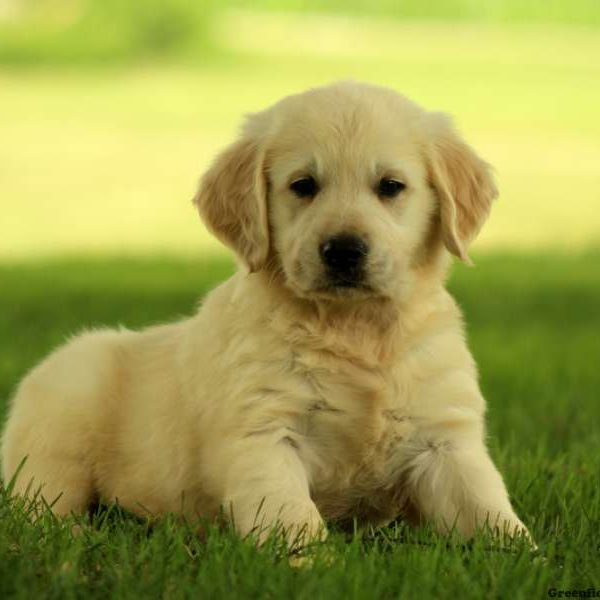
(109, 110)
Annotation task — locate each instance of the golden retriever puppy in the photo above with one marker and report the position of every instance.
(328, 379)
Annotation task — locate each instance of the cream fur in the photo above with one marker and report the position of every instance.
(281, 401)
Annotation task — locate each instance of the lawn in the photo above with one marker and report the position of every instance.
(533, 324)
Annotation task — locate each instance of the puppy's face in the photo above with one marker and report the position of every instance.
(342, 186)
(349, 202)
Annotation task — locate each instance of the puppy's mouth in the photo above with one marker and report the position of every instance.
(329, 284)
(343, 288)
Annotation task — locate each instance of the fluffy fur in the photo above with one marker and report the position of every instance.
(285, 401)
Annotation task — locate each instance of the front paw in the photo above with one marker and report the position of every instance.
(298, 533)
(299, 525)
(511, 527)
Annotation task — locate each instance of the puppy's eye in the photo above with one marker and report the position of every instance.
(306, 187)
(389, 188)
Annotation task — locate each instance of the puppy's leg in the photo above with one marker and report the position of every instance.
(454, 483)
(45, 459)
(48, 443)
(267, 487)
(64, 483)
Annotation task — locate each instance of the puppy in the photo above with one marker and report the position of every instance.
(328, 379)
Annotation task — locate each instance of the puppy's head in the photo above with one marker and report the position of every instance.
(345, 189)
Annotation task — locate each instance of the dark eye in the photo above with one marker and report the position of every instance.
(305, 188)
(389, 188)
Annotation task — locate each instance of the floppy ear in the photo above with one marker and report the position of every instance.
(232, 201)
(464, 185)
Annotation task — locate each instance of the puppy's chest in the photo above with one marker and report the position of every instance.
(355, 428)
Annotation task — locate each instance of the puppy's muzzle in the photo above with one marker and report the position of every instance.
(344, 257)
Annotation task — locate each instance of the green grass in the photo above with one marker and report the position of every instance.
(533, 323)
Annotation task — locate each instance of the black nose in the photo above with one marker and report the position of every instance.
(344, 256)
